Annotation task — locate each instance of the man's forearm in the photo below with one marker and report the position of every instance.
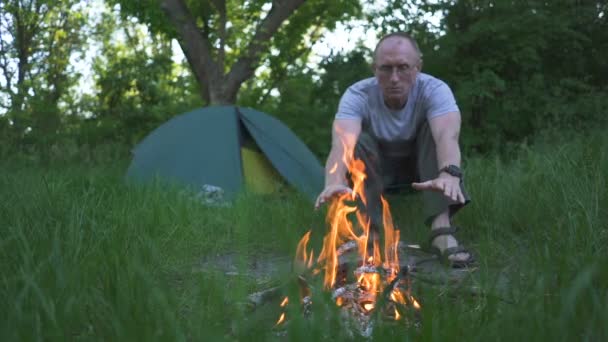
(335, 169)
(344, 138)
(448, 152)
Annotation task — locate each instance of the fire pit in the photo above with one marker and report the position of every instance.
(364, 275)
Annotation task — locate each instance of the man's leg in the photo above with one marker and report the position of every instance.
(368, 151)
(438, 208)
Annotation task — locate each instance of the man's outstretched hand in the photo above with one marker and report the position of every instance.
(331, 191)
(447, 184)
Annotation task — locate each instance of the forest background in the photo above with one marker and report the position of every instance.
(76, 81)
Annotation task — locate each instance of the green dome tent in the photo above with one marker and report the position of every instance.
(229, 147)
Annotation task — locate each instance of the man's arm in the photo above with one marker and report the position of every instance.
(445, 130)
(345, 133)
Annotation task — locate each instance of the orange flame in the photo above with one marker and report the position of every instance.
(391, 241)
(415, 303)
(285, 302)
(341, 230)
(304, 259)
(397, 296)
(370, 282)
(281, 319)
(358, 176)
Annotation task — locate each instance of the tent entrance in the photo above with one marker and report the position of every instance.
(259, 175)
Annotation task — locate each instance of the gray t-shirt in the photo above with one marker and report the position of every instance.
(396, 129)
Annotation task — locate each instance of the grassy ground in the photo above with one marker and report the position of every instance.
(84, 256)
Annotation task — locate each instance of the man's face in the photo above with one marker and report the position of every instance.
(396, 66)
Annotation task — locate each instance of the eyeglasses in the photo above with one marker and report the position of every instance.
(401, 69)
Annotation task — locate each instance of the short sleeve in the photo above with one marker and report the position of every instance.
(353, 104)
(440, 100)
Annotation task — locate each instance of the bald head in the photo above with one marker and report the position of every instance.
(397, 38)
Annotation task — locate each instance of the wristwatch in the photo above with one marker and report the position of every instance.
(452, 170)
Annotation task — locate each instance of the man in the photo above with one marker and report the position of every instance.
(404, 125)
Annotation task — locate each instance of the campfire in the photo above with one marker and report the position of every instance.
(363, 274)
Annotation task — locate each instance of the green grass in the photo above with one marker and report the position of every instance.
(84, 256)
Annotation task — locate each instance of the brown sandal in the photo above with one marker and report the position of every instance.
(445, 254)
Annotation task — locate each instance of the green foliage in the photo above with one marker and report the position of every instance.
(522, 67)
(286, 59)
(39, 38)
(138, 86)
(231, 31)
(410, 16)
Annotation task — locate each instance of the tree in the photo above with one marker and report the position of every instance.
(523, 66)
(136, 82)
(37, 40)
(225, 41)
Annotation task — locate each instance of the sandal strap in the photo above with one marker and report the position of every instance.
(441, 231)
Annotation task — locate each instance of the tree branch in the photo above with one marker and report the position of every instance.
(245, 66)
(5, 63)
(220, 6)
(281, 76)
(194, 44)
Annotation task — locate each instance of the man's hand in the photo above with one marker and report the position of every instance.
(331, 191)
(448, 184)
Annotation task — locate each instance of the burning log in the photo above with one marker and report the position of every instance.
(346, 247)
(380, 284)
(371, 295)
(359, 298)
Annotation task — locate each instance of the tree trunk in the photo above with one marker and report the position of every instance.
(218, 95)
(216, 86)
